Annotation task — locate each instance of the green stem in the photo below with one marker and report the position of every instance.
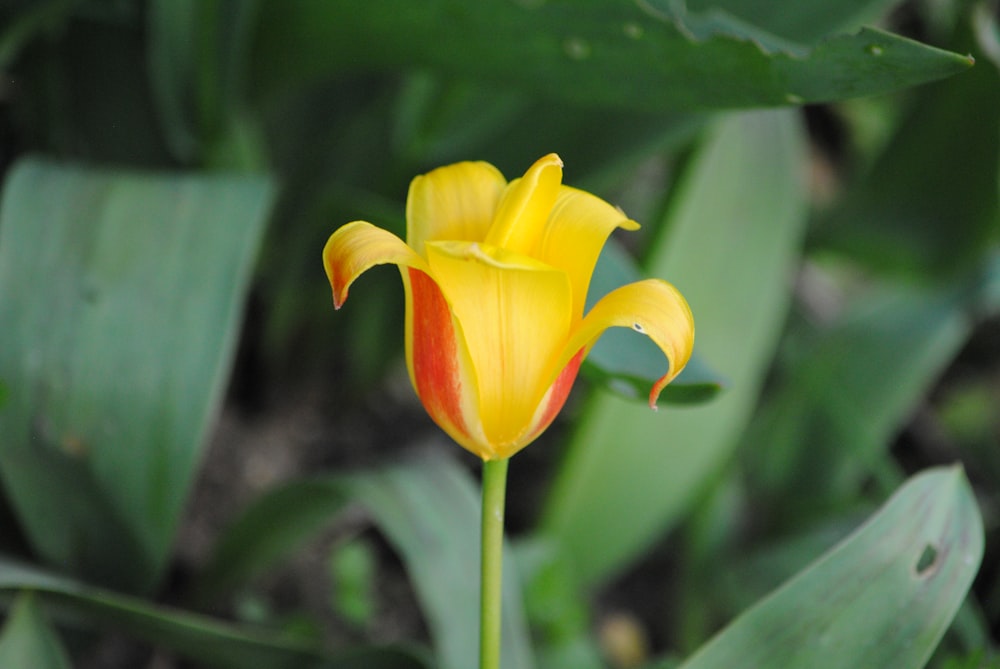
(494, 489)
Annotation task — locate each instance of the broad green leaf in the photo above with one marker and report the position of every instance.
(429, 509)
(882, 598)
(731, 243)
(592, 52)
(206, 640)
(930, 202)
(120, 295)
(879, 359)
(28, 640)
(628, 363)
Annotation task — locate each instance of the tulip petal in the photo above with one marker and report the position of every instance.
(525, 206)
(652, 307)
(515, 314)
(453, 202)
(358, 246)
(577, 229)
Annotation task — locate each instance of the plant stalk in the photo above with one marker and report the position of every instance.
(491, 579)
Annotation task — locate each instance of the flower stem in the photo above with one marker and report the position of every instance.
(494, 489)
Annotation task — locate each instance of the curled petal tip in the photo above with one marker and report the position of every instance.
(654, 394)
(550, 159)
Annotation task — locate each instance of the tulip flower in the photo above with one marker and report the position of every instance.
(496, 277)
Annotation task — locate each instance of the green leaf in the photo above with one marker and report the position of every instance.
(28, 640)
(273, 526)
(443, 120)
(804, 21)
(731, 243)
(353, 572)
(877, 361)
(197, 54)
(592, 53)
(28, 24)
(429, 509)
(202, 639)
(882, 598)
(121, 293)
(628, 363)
(930, 202)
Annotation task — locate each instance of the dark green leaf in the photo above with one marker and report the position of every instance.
(272, 527)
(121, 295)
(27, 25)
(930, 202)
(876, 362)
(199, 638)
(198, 54)
(593, 53)
(882, 598)
(804, 21)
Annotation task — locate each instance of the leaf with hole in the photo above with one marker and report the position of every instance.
(882, 598)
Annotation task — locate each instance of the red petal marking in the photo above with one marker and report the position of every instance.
(559, 392)
(435, 354)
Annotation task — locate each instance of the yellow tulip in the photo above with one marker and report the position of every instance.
(496, 277)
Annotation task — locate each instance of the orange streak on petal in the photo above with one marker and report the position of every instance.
(435, 350)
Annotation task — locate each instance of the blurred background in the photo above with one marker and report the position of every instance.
(192, 440)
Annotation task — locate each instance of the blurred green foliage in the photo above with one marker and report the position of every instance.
(171, 169)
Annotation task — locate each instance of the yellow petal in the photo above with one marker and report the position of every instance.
(452, 202)
(525, 206)
(652, 307)
(515, 313)
(574, 235)
(358, 246)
